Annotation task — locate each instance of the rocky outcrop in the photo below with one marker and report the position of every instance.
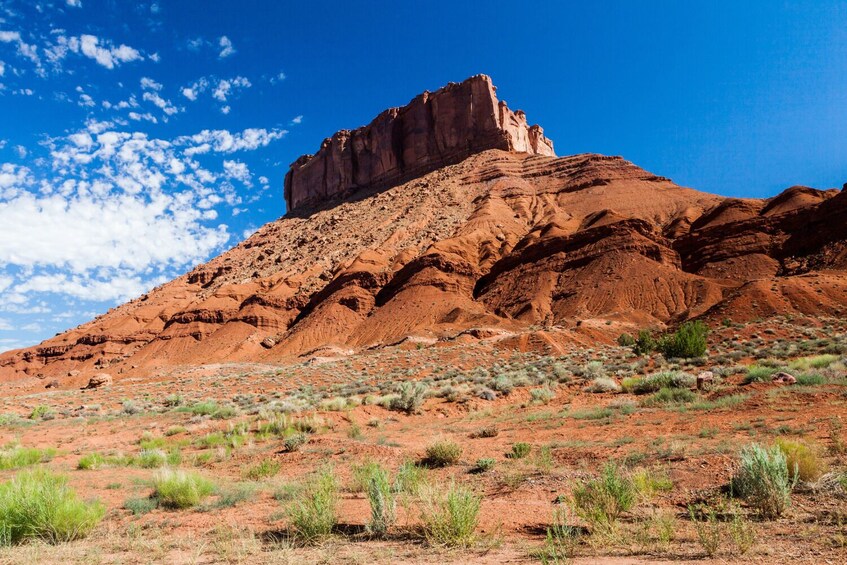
(434, 130)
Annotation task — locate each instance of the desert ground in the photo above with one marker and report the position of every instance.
(594, 454)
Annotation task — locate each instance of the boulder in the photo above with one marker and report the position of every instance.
(783, 378)
(99, 380)
(703, 378)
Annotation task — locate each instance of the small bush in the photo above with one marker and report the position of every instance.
(313, 512)
(295, 442)
(626, 340)
(152, 459)
(382, 501)
(180, 489)
(41, 412)
(687, 342)
(561, 541)
(262, 470)
(601, 501)
(603, 384)
(810, 379)
(709, 534)
(411, 397)
(484, 464)
(410, 478)
(443, 453)
(648, 483)
(671, 396)
(541, 395)
(759, 373)
(520, 450)
(141, 506)
(644, 344)
(803, 460)
(91, 461)
(450, 516)
(657, 381)
(764, 480)
(39, 505)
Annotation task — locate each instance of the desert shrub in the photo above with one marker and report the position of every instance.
(520, 450)
(14, 456)
(648, 482)
(262, 470)
(626, 340)
(814, 362)
(151, 459)
(541, 395)
(656, 381)
(686, 342)
(313, 512)
(361, 473)
(561, 541)
(91, 461)
(41, 412)
(140, 506)
(443, 453)
(644, 344)
(593, 370)
(449, 516)
(410, 478)
(810, 379)
(39, 505)
(602, 500)
(382, 501)
(602, 384)
(295, 441)
(411, 396)
(484, 464)
(671, 396)
(231, 495)
(764, 480)
(487, 431)
(173, 400)
(180, 489)
(759, 373)
(708, 528)
(803, 460)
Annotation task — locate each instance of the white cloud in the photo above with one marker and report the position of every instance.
(226, 87)
(226, 47)
(222, 141)
(2, 68)
(189, 93)
(165, 105)
(105, 53)
(277, 78)
(75, 3)
(297, 120)
(21, 152)
(150, 84)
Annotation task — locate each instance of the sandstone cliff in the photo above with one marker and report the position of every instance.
(504, 240)
(434, 130)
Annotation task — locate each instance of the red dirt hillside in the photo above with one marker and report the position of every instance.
(452, 214)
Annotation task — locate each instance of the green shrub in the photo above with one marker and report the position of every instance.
(313, 512)
(644, 344)
(443, 453)
(295, 442)
(140, 506)
(810, 379)
(91, 461)
(561, 541)
(450, 516)
(151, 459)
(602, 384)
(382, 501)
(410, 478)
(541, 395)
(648, 483)
(262, 470)
(520, 450)
(708, 528)
(41, 412)
(814, 362)
(671, 396)
(411, 397)
(39, 505)
(657, 381)
(626, 340)
(484, 464)
(759, 373)
(180, 489)
(601, 501)
(231, 495)
(688, 341)
(802, 460)
(764, 480)
(14, 456)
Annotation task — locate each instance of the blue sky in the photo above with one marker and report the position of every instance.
(138, 139)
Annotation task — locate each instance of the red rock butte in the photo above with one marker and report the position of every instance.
(450, 219)
(432, 131)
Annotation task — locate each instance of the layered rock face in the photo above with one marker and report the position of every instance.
(434, 130)
(506, 240)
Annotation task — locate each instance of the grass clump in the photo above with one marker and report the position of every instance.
(382, 500)
(410, 398)
(41, 412)
(648, 482)
(803, 460)
(443, 453)
(601, 501)
(410, 478)
(520, 450)
(671, 396)
(295, 441)
(759, 373)
(15, 456)
(180, 489)
(141, 506)
(91, 461)
(658, 381)
(603, 384)
(764, 480)
(39, 505)
(313, 512)
(450, 516)
(484, 464)
(262, 470)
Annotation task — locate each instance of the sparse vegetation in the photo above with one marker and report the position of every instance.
(450, 515)
(764, 480)
(601, 501)
(179, 489)
(313, 512)
(443, 453)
